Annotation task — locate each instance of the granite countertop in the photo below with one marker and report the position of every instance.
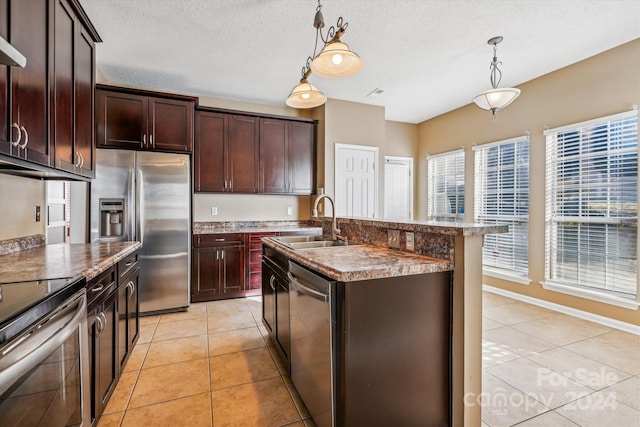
(251, 227)
(362, 262)
(63, 260)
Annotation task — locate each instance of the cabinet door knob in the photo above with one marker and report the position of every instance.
(271, 280)
(76, 163)
(132, 287)
(26, 137)
(17, 141)
(81, 160)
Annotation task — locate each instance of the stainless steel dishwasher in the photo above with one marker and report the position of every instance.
(311, 348)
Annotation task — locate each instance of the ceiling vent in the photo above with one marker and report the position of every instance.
(375, 93)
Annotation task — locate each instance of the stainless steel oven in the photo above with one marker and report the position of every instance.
(44, 379)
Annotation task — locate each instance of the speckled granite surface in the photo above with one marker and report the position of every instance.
(21, 243)
(63, 260)
(431, 239)
(251, 227)
(362, 262)
(449, 228)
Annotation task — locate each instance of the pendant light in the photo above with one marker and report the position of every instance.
(496, 98)
(335, 59)
(305, 95)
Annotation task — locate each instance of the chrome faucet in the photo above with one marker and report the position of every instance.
(335, 231)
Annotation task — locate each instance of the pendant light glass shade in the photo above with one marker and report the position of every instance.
(496, 99)
(305, 95)
(336, 60)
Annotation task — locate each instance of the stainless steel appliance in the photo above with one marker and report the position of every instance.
(146, 196)
(44, 361)
(311, 349)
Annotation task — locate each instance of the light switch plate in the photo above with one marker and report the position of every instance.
(290, 210)
(393, 238)
(214, 210)
(36, 213)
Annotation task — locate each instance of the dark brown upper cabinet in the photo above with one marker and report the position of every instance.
(251, 154)
(287, 153)
(226, 153)
(46, 108)
(25, 130)
(141, 120)
(74, 84)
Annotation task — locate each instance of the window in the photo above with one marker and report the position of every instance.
(445, 186)
(592, 205)
(502, 196)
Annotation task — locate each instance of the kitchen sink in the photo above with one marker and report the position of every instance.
(308, 242)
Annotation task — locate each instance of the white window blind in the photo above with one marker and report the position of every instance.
(445, 186)
(592, 205)
(502, 196)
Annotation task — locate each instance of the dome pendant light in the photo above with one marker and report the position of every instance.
(496, 99)
(305, 95)
(335, 59)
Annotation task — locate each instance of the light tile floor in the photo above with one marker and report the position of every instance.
(544, 368)
(210, 365)
(214, 365)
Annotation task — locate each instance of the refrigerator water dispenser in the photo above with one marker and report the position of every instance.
(111, 217)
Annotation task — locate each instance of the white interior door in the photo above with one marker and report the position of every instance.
(398, 188)
(57, 215)
(356, 181)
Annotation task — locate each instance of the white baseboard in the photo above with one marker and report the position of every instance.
(606, 321)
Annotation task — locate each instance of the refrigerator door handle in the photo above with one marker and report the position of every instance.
(140, 207)
(131, 197)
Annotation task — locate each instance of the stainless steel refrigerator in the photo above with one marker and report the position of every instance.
(146, 196)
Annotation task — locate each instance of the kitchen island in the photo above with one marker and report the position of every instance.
(437, 247)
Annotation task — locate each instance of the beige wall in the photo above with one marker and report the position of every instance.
(18, 197)
(602, 85)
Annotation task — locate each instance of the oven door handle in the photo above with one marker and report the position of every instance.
(36, 344)
(298, 286)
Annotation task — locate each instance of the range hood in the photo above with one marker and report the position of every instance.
(9, 55)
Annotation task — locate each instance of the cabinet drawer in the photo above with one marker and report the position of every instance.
(255, 258)
(128, 264)
(256, 238)
(222, 239)
(104, 284)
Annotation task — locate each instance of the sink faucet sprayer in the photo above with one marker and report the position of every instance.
(335, 231)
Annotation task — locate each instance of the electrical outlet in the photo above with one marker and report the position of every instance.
(36, 213)
(214, 210)
(409, 239)
(393, 237)
(289, 210)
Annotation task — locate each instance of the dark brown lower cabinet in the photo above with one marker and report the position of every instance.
(275, 302)
(229, 265)
(253, 256)
(114, 327)
(128, 315)
(218, 267)
(102, 321)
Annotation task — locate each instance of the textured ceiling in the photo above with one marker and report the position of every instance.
(429, 56)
